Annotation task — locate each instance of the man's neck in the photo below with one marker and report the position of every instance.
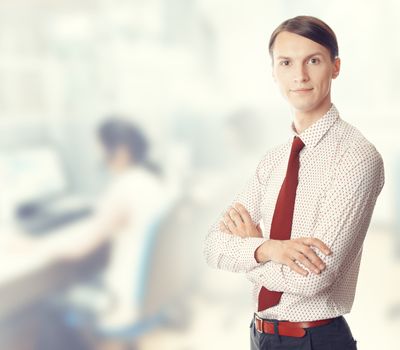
(303, 120)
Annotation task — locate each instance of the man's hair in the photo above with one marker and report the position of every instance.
(311, 28)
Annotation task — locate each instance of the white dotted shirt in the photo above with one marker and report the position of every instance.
(341, 175)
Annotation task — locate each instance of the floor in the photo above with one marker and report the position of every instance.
(221, 309)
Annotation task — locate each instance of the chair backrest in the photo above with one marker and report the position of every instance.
(153, 233)
(174, 269)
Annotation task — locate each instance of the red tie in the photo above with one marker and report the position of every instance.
(281, 225)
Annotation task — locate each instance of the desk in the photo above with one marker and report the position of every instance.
(32, 271)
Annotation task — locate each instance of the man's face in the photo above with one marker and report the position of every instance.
(303, 71)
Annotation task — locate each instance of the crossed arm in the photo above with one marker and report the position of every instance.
(286, 265)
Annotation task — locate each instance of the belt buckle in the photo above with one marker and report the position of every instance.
(296, 332)
(262, 323)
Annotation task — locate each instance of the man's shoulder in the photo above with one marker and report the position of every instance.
(356, 147)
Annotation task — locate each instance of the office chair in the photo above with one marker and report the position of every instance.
(164, 313)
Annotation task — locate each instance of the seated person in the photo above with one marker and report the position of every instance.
(132, 201)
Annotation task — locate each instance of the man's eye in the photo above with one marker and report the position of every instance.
(314, 60)
(284, 63)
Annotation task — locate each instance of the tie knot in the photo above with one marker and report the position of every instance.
(297, 145)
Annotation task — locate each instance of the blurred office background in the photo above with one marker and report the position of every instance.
(196, 77)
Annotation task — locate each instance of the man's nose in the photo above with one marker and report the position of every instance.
(300, 74)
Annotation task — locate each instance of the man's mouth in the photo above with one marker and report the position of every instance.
(303, 90)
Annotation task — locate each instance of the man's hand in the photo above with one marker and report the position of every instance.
(237, 221)
(289, 252)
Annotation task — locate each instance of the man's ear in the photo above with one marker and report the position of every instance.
(336, 68)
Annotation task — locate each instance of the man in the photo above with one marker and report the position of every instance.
(314, 193)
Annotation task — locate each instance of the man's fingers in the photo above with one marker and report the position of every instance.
(317, 243)
(236, 217)
(232, 226)
(296, 268)
(223, 227)
(235, 222)
(244, 214)
(232, 223)
(312, 256)
(307, 263)
(229, 223)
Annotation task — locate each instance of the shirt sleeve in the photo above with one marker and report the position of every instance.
(111, 209)
(230, 252)
(342, 225)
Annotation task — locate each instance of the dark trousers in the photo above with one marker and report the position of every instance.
(335, 335)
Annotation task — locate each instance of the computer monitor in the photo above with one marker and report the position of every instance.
(31, 174)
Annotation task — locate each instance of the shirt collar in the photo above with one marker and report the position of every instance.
(313, 134)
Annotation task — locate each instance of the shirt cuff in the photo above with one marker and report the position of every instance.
(248, 250)
(269, 275)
